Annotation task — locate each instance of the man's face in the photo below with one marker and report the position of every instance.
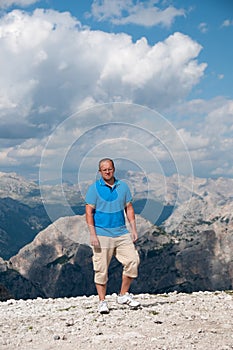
(107, 170)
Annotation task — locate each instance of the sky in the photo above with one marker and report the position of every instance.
(147, 83)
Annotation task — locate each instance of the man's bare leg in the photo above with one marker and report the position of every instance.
(103, 307)
(101, 290)
(124, 297)
(125, 285)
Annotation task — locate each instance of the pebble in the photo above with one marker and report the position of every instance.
(196, 321)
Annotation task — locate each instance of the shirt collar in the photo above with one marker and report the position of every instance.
(103, 183)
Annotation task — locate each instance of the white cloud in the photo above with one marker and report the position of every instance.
(5, 159)
(220, 120)
(203, 27)
(122, 131)
(151, 75)
(227, 23)
(193, 141)
(51, 67)
(27, 150)
(22, 3)
(144, 13)
(208, 134)
(63, 65)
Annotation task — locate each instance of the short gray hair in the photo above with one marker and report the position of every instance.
(105, 160)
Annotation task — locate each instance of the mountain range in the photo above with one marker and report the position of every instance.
(185, 237)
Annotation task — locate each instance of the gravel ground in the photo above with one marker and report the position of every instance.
(171, 321)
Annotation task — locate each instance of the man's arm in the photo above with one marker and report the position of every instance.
(90, 222)
(129, 210)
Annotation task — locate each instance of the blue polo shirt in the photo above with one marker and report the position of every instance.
(109, 204)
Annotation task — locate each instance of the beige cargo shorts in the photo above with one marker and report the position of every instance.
(123, 249)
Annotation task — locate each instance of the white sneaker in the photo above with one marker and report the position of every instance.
(127, 299)
(103, 307)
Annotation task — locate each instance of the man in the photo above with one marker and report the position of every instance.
(106, 201)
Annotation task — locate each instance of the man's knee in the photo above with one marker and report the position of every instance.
(100, 278)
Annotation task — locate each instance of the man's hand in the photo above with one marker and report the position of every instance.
(134, 236)
(94, 240)
(129, 210)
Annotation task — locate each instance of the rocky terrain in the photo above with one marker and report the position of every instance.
(170, 321)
